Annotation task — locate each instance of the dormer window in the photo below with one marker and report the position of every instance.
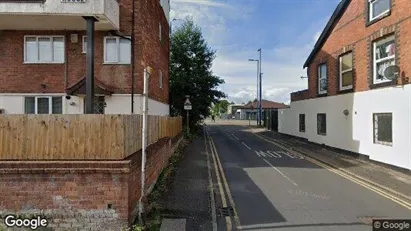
(378, 8)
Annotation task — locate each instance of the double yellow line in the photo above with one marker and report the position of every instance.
(356, 180)
(223, 185)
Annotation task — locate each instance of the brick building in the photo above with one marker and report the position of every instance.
(351, 103)
(43, 47)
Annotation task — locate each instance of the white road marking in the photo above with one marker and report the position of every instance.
(286, 153)
(274, 154)
(258, 154)
(246, 145)
(235, 137)
(282, 174)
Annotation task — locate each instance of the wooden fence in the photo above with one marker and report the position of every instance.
(79, 137)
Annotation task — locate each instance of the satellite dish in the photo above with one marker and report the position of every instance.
(392, 72)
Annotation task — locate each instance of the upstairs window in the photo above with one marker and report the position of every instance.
(117, 50)
(322, 79)
(346, 72)
(384, 56)
(44, 49)
(378, 8)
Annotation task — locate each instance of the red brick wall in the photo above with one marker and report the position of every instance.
(16, 77)
(78, 194)
(351, 34)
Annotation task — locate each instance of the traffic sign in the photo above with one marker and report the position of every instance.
(188, 107)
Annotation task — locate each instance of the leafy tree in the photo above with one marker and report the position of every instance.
(191, 60)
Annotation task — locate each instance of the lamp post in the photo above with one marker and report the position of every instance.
(258, 73)
(261, 90)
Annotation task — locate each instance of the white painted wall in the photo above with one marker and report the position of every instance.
(355, 131)
(166, 7)
(116, 104)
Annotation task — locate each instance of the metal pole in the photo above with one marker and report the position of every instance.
(188, 123)
(90, 66)
(261, 89)
(258, 73)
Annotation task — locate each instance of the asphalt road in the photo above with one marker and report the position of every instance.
(274, 190)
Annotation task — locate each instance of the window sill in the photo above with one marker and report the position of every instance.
(43, 62)
(321, 134)
(322, 94)
(369, 23)
(116, 63)
(344, 91)
(383, 143)
(383, 84)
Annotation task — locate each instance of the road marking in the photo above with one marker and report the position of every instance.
(282, 174)
(341, 173)
(274, 154)
(235, 137)
(227, 188)
(211, 186)
(258, 154)
(230, 137)
(285, 153)
(220, 185)
(246, 145)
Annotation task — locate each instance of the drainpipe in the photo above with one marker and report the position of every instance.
(147, 72)
(66, 60)
(132, 56)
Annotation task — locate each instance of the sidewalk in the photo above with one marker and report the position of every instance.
(387, 178)
(186, 204)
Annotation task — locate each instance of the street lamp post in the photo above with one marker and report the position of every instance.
(258, 73)
(261, 90)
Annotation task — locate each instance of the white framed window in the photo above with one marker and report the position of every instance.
(117, 50)
(383, 57)
(382, 124)
(159, 29)
(378, 8)
(322, 79)
(346, 71)
(43, 105)
(84, 46)
(44, 49)
(160, 80)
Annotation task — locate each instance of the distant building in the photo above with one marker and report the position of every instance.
(233, 111)
(250, 110)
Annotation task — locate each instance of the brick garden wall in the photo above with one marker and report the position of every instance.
(88, 195)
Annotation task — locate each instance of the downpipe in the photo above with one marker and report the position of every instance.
(147, 72)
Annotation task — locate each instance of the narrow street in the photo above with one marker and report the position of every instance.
(269, 188)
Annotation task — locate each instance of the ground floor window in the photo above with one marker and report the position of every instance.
(382, 128)
(302, 122)
(43, 105)
(321, 124)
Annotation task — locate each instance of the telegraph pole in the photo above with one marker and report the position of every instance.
(261, 90)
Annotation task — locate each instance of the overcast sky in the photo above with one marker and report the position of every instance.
(286, 30)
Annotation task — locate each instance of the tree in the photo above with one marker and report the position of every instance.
(191, 60)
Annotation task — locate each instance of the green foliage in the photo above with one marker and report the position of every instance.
(190, 73)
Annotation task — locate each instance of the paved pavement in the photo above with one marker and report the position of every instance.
(274, 189)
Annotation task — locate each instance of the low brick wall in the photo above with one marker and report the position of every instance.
(83, 195)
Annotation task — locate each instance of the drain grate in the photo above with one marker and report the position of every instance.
(227, 211)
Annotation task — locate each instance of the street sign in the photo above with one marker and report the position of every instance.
(187, 105)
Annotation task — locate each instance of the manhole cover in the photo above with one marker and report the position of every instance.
(227, 211)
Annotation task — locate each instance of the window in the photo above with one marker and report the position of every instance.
(302, 122)
(378, 8)
(321, 124)
(84, 44)
(99, 104)
(346, 72)
(44, 49)
(384, 56)
(43, 105)
(161, 79)
(322, 79)
(159, 29)
(383, 128)
(117, 50)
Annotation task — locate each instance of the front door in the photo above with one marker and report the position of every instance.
(99, 104)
